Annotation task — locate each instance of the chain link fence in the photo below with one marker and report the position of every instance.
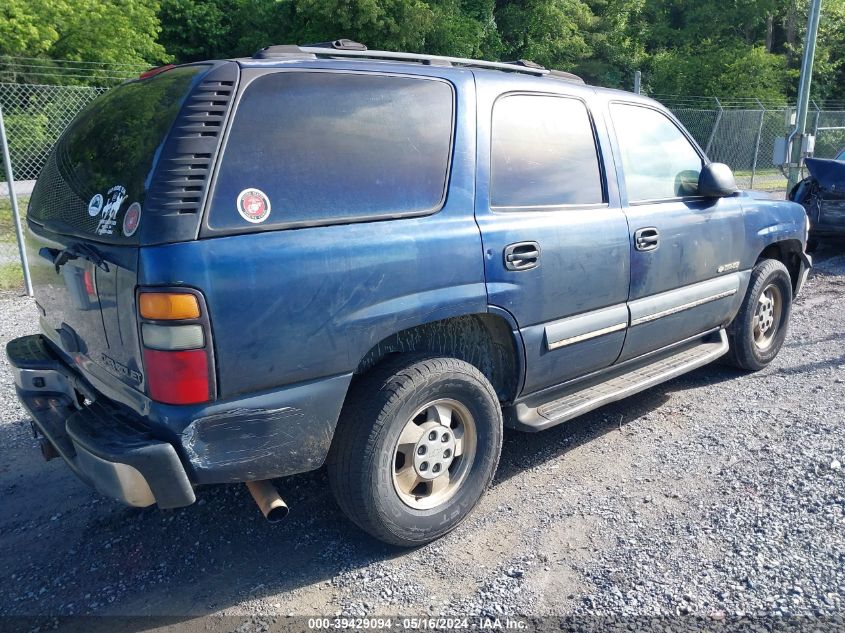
(742, 134)
(35, 116)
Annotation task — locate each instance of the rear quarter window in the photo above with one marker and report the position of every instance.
(324, 147)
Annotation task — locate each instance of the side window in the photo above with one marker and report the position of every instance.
(322, 147)
(658, 160)
(543, 153)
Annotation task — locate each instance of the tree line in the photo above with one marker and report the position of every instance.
(734, 48)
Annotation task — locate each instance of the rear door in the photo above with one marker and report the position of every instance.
(555, 239)
(686, 249)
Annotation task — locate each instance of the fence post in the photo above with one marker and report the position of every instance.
(757, 143)
(715, 127)
(13, 196)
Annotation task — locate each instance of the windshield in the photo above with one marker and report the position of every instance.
(94, 182)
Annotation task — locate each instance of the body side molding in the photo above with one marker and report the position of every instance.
(586, 326)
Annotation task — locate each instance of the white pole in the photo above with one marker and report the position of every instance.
(10, 182)
(796, 138)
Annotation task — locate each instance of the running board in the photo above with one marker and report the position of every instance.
(620, 385)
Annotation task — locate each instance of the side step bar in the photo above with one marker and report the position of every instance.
(620, 385)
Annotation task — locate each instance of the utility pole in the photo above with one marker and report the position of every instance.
(797, 139)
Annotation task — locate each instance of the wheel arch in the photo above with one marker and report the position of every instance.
(488, 341)
(788, 252)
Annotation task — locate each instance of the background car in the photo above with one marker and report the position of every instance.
(822, 194)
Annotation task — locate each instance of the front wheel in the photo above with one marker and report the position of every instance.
(416, 446)
(758, 331)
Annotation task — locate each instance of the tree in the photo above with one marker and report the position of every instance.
(548, 32)
(115, 31)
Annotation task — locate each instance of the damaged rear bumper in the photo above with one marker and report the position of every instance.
(104, 446)
(157, 454)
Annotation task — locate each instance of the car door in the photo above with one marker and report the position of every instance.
(686, 249)
(555, 239)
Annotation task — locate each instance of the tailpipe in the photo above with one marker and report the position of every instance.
(271, 504)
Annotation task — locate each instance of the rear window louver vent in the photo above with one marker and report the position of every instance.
(184, 170)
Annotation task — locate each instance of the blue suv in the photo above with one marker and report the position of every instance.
(249, 268)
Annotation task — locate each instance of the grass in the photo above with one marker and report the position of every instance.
(11, 276)
(11, 273)
(764, 179)
(7, 224)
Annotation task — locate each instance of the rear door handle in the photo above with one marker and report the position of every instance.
(646, 239)
(522, 255)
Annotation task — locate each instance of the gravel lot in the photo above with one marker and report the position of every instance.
(718, 495)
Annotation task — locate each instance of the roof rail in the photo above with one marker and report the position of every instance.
(347, 48)
(426, 59)
(565, 76)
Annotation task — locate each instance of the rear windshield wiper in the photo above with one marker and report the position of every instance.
(59, 257)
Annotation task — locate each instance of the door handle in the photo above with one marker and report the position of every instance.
(646, 239)
(522, 256)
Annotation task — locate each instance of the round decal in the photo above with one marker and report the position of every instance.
(95, 205)
(253, 205)
(132, 219)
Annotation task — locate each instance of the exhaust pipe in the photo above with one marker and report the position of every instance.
(271, 504)
(48, 451)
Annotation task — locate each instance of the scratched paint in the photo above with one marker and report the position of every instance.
(244, 444)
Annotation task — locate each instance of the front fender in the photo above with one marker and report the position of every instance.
(768, 222)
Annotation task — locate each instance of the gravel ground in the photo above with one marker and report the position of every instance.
(719, 495)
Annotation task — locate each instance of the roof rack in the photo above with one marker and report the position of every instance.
(348, 48)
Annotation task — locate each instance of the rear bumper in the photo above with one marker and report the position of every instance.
(156, 454)
(105, 446)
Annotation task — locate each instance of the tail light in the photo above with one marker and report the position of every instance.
(88, 282)
(176, 338)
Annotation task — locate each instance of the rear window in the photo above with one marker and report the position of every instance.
(323, 147)
(102, 164)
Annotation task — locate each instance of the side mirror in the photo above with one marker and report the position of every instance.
(716, 181)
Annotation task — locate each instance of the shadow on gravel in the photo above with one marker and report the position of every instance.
(100, 557)
(830, 248)
(522, 451)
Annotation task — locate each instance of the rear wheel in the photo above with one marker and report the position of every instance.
(758, 331)
(417, 444)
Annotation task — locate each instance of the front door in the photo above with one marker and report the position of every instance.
(686, 249)
(555, 239)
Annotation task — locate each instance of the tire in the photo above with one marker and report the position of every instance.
(757, 332)
(373, 475)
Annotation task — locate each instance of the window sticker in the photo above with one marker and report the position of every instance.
(95, 205)
(132, 219)
(253, 205)
(115, 196)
